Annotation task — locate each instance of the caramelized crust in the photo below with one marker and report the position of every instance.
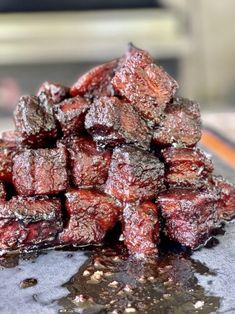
(180, 125)
(55, 92)
(189, 215)
(134, 175)
(226, 203)
(96, 82)
(29, 222)
(141, 228)
(112, 122)
(187, 167)
(147, 86)
(34, 121)
(7, 152)
(89, 166)
(91, 215)
(71, 115)
(41, 171)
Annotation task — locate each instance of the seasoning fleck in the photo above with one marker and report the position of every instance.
(130, 310)
(86, 273)
(28, 282)
(199, 304)
(113, 284)
(97, 276)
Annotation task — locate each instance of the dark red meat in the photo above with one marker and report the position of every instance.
(187, 167)
(71, 114)
(91, 215)
(26, 222)
(7, 151)
(226, 203)
(91, 202)
(189, 215)
(141, 228)
(34, 121)
(2, 192)
(134, 175)
(41, 171)
(112, 122)
(96, 82)
(82, 232)
(54, 91)
(147, 86)
(181, 124)
(89, 166)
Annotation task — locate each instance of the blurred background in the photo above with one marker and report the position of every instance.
(59, 40)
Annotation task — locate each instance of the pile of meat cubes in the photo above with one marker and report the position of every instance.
(118, 146)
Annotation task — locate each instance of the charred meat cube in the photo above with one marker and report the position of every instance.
(7, 151)
(112, 122)
(41, 171)
(54, 91)
(34, 121)
(226, 203)
(29, 222)
(147, 86)
(96, 82)
(71, 114)
(134, 175)
(2, 192)
(190, 215)
(82, 232)
(91, 202)
(91, 215)
(186, 167)
(89, 166)
(141, 228)
(180, 125)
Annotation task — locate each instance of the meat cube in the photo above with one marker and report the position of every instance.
(89, 166)
(181, 124)
(141, 228)
(82, 232)
(112, 122)
(41, 171)
(97, 205)
(147, 86)
(29, 222)
(91, 215)
(186, 167)
(34, 121)
(96, 82)
(226, 203)
(134, 175)
(2, 192)
(190, 215)
(7, 151)
(54, 91)
(71, 114)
